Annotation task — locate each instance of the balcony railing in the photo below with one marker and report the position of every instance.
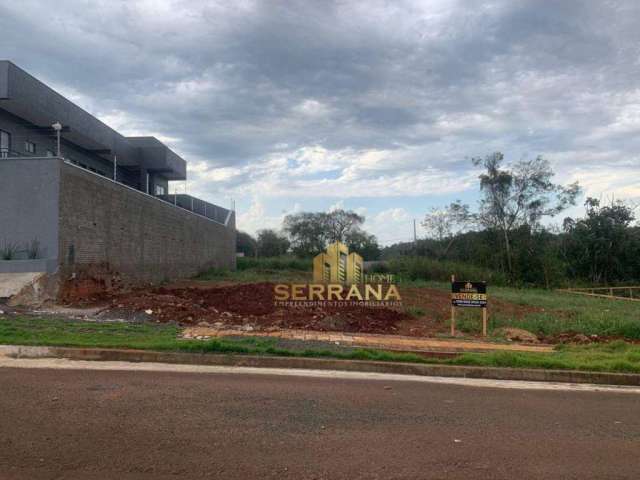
(196, 205)
(6, 153)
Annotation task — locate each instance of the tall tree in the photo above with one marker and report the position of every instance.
(520, 195)
(601, 246)
(306, 231)
(310, 232)
(339, 223)
(448, 222)
(272, 243)
(363, 243)
(246, 244)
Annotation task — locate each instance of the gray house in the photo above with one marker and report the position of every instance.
(78, 199)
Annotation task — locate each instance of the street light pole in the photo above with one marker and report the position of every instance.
(58, 128)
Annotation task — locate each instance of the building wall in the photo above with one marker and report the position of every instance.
(88, 224)
(29, 191)
(106, 225)
(20, 132)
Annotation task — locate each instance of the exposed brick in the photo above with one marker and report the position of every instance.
(106, 225)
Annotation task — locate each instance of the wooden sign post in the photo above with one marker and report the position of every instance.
(453, 311)
(468, 294)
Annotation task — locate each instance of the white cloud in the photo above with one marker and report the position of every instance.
(390, 226)
(309, 102)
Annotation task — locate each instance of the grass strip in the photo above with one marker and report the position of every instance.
(617, 356)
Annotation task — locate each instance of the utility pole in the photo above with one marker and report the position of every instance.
(415, 238)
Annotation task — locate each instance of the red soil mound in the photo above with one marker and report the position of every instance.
(254, 304)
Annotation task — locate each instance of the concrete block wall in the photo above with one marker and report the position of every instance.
(29, 191)
(87, 223)
(104, 224)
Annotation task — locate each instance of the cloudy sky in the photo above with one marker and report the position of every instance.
(371, 106)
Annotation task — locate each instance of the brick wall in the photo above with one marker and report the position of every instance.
(108, 226)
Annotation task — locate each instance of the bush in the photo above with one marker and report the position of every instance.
(9, 251)
(422, 268)
(275, 263)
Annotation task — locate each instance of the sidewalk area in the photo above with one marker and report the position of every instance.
(369, 340)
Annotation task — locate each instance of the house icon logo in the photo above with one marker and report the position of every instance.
(337, 265)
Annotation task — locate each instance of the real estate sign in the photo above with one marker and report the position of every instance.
(469, 294)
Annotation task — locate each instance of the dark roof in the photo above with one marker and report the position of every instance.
(28, 98)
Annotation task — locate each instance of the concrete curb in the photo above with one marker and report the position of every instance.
(493, 373)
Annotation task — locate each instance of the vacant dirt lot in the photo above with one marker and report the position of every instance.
(251, 306)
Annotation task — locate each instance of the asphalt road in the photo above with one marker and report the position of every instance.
(84, 424)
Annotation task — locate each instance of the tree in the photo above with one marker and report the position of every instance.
(363, 243)
(602, 247)
(447, 223)
(310, 232)
(246, 244)
(521, 195)
(340, 223)
(306, 232)
(272, 243)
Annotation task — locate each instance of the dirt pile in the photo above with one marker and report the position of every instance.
(88, 286)
(516, 335)
(253, 305)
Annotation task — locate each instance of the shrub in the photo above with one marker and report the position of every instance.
(422, 268)
(33, 249)
(9, 251)
(275, 263)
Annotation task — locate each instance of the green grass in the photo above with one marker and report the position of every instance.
(565, 312)
(71, 333)
(274, 269)
(558, 312)
(612, 357)
(617, 357)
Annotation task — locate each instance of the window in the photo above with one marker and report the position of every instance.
(159, 190)
(5, 144)
(49, 153)
(29, 147)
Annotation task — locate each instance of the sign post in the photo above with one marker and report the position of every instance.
(484, 321)
(453, 311)
(469, 294)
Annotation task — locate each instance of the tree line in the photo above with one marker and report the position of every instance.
(509, 231)
(306, 234)
(506, 232)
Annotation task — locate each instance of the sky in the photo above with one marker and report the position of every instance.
(376, 107)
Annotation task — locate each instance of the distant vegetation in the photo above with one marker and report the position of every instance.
(504, 240)
(603, 247)
(275, 263)
(505, 237)
(423, 268)
(306, 234)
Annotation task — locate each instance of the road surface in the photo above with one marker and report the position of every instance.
(101, 424)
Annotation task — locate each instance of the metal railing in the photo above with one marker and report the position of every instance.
(193, 205)
(198, 206)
